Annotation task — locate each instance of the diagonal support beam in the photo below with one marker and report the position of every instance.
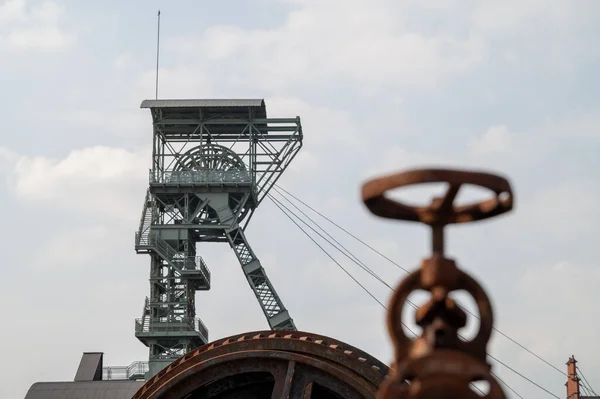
(272, 306)
(270, 303)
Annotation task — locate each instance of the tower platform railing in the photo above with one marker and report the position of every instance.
(200, 177)
(135, 371)
(193, 264)
(148, 325)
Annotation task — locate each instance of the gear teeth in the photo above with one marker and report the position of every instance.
(307, 337)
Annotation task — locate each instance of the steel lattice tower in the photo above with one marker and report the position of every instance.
(213, 162)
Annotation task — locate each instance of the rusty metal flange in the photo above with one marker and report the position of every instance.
(298, 363)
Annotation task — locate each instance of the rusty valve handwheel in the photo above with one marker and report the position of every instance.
(438, 363)
(442, 211)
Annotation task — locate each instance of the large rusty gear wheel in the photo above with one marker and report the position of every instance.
(269, 365)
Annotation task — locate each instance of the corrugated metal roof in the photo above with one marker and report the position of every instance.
(90, 367)
(84, 389)
(202, 103)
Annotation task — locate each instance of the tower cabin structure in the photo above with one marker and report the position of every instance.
(213, 162)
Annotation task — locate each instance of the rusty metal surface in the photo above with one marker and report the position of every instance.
(442, 211)
(268, 364)
(439, 363)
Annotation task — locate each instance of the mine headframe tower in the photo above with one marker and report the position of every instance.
(213, 162)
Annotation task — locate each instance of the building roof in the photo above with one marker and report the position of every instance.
(84, 389)
(206, 109)
(202, 103)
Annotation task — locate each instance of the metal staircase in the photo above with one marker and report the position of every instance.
(188, 267)
(272, 306)
(143, 234)
(168, 320)
(147, 241)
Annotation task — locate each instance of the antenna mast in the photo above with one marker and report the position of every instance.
(157, 51)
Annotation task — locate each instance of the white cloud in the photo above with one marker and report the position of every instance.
(99, 180)
(564, 210)
(367, 44)
(328, 129)
(36, 26)
(47, 11)
(39, 38)
(12, 10)
(506, 18)
(394, 159)
(369, 48)
(117, 122)
(7, 157)
(303, 162)
(496, 139)
(178, 82)
(71, 250)
(123, 61)
(554, 30)
(578, 124)
(561, 295)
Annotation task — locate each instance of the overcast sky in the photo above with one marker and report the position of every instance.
(380, 85)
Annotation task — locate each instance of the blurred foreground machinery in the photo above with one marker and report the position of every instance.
(439, 363)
